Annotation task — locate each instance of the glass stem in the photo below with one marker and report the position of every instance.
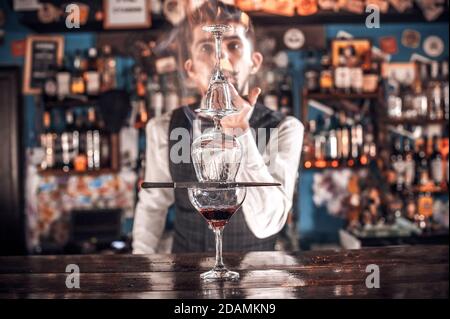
(219, 261)
(218, 51)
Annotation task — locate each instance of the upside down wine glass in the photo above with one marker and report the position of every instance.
(217, 206)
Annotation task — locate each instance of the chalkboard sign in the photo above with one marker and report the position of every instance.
(42, 52)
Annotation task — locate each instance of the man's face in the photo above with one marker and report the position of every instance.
(238, 59)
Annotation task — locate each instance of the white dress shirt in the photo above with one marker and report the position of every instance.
(265, 208)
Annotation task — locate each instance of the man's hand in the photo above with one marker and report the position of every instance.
(237, 124)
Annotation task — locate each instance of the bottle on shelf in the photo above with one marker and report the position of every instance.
(332, 144)
(107, 66)
(445, 88)
(80, 144)
(312, 75)
(420, 99)
(50, 89)
(63, 80)
(326, 75)
(394, 102)
(77, 86)
(435, 93)
(399, 165)
(424, 209)
(422, 180)
(320, 143)
(410, 164)
(48, 140)
(308, 144)
(92, 141)
(342, 77)
(371, 78)
(437, 163)
(68, 142)
(92, 75)
(105, 145)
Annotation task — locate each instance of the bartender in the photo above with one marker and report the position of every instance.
(264, 212)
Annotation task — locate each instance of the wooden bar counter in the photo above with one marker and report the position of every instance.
(405, 272)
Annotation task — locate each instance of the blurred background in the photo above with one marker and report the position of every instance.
(368, 79)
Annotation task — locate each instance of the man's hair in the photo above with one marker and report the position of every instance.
(211, 12)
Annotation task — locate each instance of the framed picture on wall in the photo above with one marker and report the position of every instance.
(121, 14)
(41, 54)
(352, 51)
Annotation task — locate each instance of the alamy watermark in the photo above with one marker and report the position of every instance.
(373, 19)
(373, 279)
(73, 277)
(73, 16)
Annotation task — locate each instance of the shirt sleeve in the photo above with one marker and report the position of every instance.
(266, 208)
(152, 206)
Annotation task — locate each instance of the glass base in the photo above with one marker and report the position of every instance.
(219, 275)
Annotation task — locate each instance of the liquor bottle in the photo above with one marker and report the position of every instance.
(79, 136)
(371, 78)
(142, 113)
(394, 102)
(92, 141)
(342, 79)
(67, 142)
(77, 85)
(50, 85)
(140, 78)
(312, 75)
(435, 93)
(107, 66)
(399, 165)
(436, 163)
(91, 75)
(408, 109)
(420, 99)
(286, 99)
(320, 143)
(332, 144)
(308, 144)
(48, 139)
(63, 80)
(422, 168)
(424, 208)
(445, 88)
(343, 135)
(271, 97)
(445, 151)
(410, 164)
(105, 145)
(326, 75)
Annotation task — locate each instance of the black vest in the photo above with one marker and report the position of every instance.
(192, 233)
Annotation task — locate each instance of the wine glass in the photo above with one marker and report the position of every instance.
(218, 101)
(217, 205)
(216, 157)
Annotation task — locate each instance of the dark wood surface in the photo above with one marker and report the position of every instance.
(405, 272)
